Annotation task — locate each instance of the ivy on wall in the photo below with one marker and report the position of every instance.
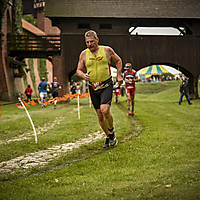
(42, 68)
(17, 12)
(17, 16)
(32, 73)
(3, 7)
(29, 18)
(25, 80)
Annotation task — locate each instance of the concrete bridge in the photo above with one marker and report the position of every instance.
(112, 20)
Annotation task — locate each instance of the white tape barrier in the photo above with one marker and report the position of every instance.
(78, 102)
(29, 119)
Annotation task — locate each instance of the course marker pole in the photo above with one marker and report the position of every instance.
(29, 119)
(78, 101)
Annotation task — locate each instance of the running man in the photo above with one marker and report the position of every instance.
(130, 78)
(97, 59)
(54, 90)
(42, 87)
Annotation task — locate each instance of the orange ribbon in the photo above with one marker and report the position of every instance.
(50, 101)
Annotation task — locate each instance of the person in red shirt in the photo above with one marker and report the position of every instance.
(130, 78)
(28, 92)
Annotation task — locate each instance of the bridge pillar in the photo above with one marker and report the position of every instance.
(60, 74)
(7, 86)
(193, 87)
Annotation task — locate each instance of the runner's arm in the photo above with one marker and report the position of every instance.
(39, 87)
(81, 66)
(136, 79)
(118, 62)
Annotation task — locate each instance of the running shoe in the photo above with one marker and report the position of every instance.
(112, 139)
(129, 113)
(106, 145)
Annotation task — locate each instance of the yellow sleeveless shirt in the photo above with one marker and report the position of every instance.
(98, 65)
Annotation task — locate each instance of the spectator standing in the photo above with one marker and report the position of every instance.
(184, 90)
(28, 92)
(73, 88)
(54, 90)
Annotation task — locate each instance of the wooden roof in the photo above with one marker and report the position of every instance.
(123, 8)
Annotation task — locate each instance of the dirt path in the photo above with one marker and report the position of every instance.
(30, 135)
(44, 156)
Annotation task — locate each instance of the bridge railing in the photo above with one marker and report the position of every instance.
(49, 44)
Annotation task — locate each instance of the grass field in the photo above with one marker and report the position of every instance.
(157, 157)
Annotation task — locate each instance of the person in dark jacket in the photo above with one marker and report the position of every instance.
(184, 90)
(54, 90)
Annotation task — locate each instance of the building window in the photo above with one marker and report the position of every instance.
(157, 31)
(105, 26)
(39, 4)
(84, 26)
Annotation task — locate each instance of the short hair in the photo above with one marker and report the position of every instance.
(128, 64)
(43, 79)
(91, 33)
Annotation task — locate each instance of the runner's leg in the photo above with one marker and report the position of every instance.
(132, 102)
(105, 110)
(128, 101)
(102, 121)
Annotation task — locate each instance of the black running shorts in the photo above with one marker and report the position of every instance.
(55, 94)
(101, 96)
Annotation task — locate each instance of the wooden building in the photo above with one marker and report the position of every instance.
(112, 20)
